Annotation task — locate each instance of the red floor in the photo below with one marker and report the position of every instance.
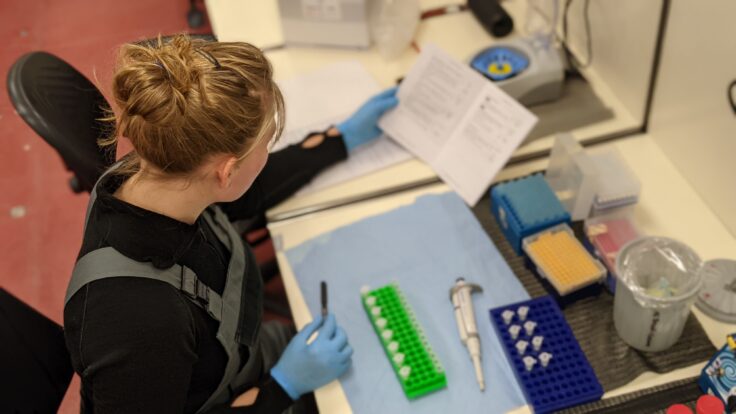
(40, 218)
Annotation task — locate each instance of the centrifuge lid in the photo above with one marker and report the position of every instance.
(717, 297)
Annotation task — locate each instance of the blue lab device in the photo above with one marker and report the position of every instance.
(567, 379)
(528, 68)
(524, 207)
(718, 377)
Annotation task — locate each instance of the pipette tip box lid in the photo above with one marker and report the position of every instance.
(562, 260)
(607, 235)
(568, 379)
(411, 357)
(617, 184)
(526, 206)
(573, 176)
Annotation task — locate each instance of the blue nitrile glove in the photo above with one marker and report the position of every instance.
(362, 126)
(305, 367)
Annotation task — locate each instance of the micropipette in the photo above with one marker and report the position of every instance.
(465, 317)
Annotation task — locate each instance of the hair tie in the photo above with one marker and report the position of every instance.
(207, 55)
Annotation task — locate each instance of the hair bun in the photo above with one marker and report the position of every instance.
(182, 101)
(155, 83)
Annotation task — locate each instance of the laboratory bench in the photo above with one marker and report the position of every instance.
(668, 206)
(612, 96)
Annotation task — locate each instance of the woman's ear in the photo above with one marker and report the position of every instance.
(225, 170)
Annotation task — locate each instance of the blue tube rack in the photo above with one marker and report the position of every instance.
(569, 379)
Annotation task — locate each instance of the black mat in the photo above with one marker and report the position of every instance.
(591, 319)
(650, 400)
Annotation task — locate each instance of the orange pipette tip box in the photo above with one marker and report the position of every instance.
(562, 260)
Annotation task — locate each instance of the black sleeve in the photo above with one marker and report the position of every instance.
(286, 172)
(134, 342)
(134, 347)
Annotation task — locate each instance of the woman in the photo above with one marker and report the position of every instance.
(163, 312)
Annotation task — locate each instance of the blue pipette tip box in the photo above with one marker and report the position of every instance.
(526, 206)
(568, 379)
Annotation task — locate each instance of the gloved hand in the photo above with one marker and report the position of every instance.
(305, 367)
(362, 126)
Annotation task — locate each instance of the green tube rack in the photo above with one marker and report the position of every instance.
(416, 366)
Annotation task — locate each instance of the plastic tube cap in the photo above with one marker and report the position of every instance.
(529, 362)
(522, 312)
(544, 358)
(679, 409)
(709, 404)
(508, 316)
(537, 342)
(514, 331)
(529, 327)
(521, 347)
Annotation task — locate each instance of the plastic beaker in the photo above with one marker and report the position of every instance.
(658, 279)
(393, 24)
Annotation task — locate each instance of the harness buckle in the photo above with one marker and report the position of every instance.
(202, 291)
(193, 287)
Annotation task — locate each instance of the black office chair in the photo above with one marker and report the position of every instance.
(35, 368)
(65, 109)
(195, 16)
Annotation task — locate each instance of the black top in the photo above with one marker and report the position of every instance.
(140, 345)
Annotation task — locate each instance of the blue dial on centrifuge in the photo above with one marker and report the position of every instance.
(498, 63)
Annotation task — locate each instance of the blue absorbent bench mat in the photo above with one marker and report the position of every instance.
(424, 247)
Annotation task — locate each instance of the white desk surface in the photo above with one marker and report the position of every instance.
(669, 206)
(257, 21)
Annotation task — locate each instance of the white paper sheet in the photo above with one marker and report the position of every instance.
(462, 125)
(325, 97)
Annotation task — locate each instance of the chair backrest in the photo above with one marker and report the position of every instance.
(35, 367)
(65, 109)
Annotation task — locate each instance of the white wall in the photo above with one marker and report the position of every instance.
(624, 34)
(691, 119)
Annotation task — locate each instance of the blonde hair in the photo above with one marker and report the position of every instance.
(184, 100)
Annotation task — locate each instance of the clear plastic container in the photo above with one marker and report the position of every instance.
(573, 176)
(658, 279)
(617, 184)
(609, 234)
(541, 18)
(392, 25)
